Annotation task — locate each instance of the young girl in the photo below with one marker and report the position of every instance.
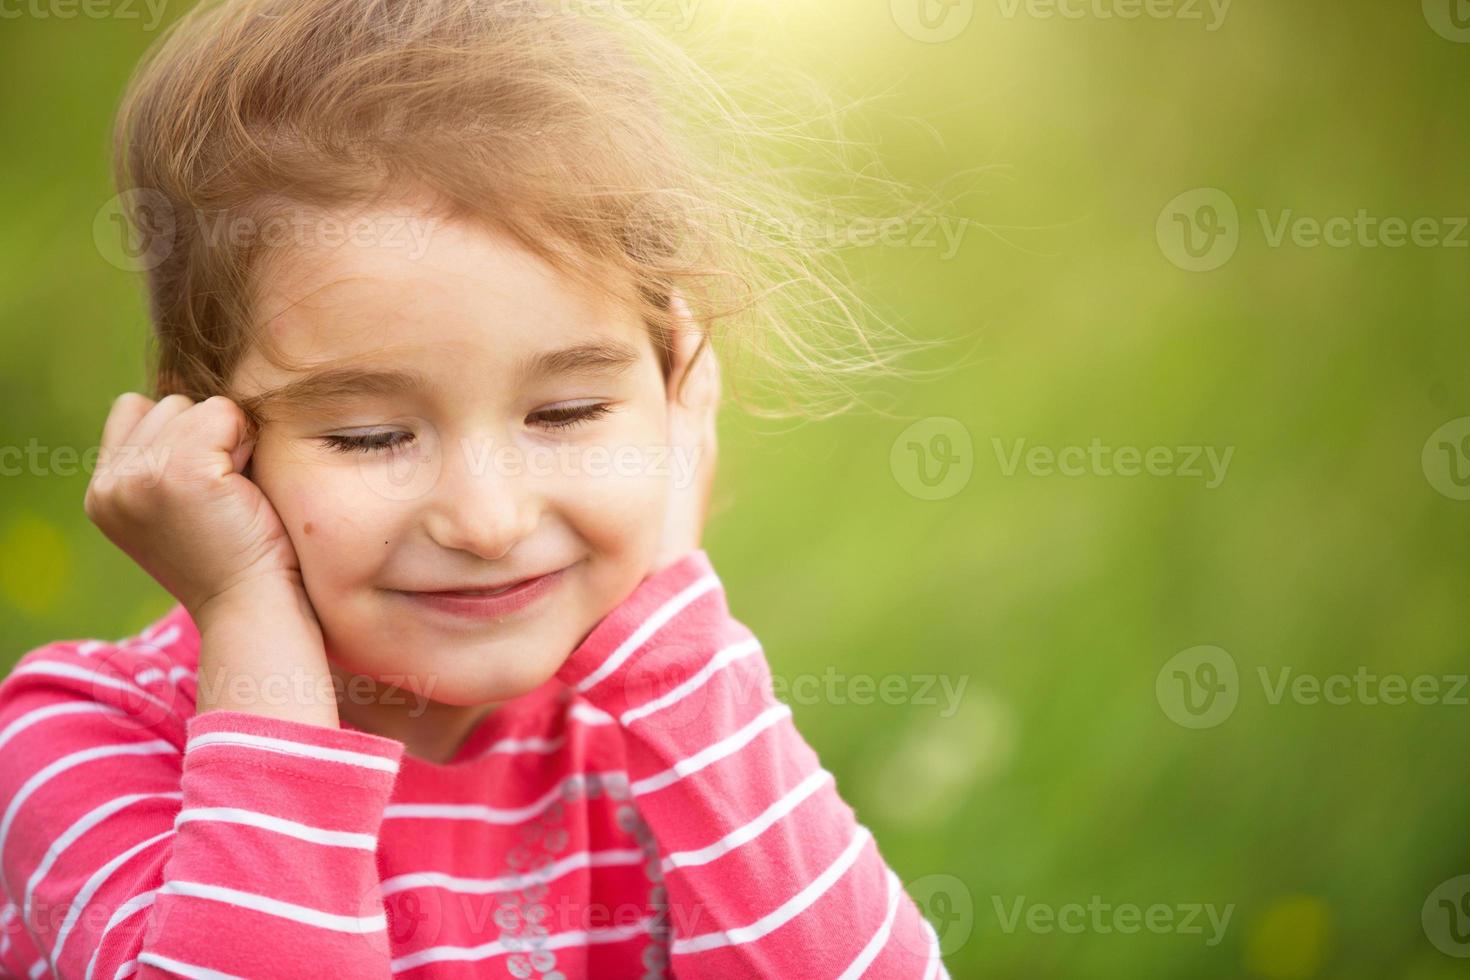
(451, 688)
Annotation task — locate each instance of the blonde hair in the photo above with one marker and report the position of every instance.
(596, 143)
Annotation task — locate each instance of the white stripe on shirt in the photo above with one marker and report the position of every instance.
(83, 898)
(647, 628)
(751, 830)
(513, 944)
(502, 815)
(613, 857)
(182, 969)
(124, 910)
(720, 660)
(80, 827)
(784, 913)
(880, 938)
(51, 711)
(47, 668)
(711, 754)
(80, 757)
(303, 914)
(286, 746)
(280, 825)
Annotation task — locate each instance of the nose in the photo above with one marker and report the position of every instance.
(483, 502)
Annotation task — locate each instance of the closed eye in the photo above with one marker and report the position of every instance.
(554, 419)
(571, 415)
(368, 442)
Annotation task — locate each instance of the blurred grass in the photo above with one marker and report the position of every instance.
(1055, 599)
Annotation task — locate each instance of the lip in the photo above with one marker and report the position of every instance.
(512, 600)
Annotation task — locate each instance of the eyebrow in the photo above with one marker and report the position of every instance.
(333, 385)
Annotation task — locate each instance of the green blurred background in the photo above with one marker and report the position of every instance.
(1333, 545)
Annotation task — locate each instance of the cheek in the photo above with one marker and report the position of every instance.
(621, 495)
(620, 509)
(335, 522)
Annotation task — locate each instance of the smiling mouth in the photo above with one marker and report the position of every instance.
(482, 591)
(487, 604)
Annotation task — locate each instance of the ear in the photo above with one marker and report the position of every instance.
(696, 368)
(685, 335)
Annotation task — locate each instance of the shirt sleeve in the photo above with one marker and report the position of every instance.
(766, 870)
(139, 838)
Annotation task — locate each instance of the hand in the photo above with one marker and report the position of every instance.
(692, 439)
(168, 490)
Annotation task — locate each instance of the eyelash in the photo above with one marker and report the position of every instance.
(561, 419)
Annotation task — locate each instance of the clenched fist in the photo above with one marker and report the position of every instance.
(168, 490)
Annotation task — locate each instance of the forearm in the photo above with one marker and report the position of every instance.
(245, 845)
(766, 868)
(261, 652)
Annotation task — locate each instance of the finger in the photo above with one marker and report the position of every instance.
(216, 426)
(165, 411)
(127, 411)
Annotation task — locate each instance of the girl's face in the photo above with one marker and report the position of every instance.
(469, 419)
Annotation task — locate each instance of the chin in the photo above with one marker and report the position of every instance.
(480, 681)
(461, 678)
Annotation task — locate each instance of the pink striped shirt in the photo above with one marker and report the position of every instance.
(650, 811)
